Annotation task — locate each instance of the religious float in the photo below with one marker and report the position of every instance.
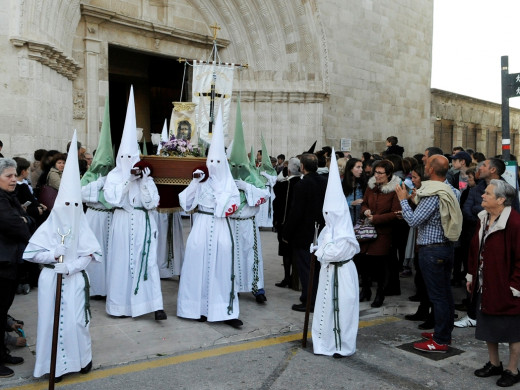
(183, 146)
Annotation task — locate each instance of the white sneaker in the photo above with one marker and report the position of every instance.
(465, 322)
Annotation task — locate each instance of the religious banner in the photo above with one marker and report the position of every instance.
(212, 90)
(182, 122)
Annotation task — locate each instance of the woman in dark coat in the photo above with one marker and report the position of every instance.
(380, 205)
(494, 280)
(14, 235)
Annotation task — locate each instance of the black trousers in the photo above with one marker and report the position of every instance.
(7, 293)
(303, 258)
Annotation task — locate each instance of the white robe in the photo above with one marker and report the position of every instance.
(249, 263)
(74, 343)
(99, 219)
(324, 339)
(133, 284)
(170, 245)
(205, 287)
(264, 217)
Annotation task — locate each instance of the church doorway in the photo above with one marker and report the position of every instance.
(157, 82)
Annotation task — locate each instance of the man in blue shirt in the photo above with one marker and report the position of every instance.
(438, 219)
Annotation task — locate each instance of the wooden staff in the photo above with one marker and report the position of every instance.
(57, 304)
(309, 288)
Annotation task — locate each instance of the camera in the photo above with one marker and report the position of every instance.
(136, 172)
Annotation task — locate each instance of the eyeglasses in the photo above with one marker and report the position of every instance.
(379, 173)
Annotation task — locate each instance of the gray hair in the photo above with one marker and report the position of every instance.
(6, 163)
(294, 166)
(504, 190)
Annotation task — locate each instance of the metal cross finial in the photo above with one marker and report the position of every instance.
(63, 235)
(215, 27)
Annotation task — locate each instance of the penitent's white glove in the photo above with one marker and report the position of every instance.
(100, 182)
(146, 172)
(61, 268)
(59, 251)
(241, 185)
(313, 248)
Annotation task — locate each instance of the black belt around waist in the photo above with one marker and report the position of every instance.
(340, 263)
(437, 244)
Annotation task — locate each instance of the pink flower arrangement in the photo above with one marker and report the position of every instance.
(178, 147)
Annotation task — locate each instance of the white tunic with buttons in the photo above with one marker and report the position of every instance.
(74, 343)
(264, 218)
(99, 219)
(249, 264)
(324, 338)
(205, 285)
(133, 282)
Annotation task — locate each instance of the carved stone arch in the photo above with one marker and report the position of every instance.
(47, 28)
(281, 41)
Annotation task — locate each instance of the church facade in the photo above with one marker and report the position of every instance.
(325, 70)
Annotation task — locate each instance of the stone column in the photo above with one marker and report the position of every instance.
(92, 51)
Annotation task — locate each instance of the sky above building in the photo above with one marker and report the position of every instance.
(469, 39)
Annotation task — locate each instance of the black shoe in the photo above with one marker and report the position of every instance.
(6, 372)
(98, 298)
(160, 315)
(87, 368)
(418, 316)
(489, 370)
(235, 323)
(415, 298)
(11, 360)
(260, 298)
(378, 300)
(202, 319)
(365, 295)
(427, 325)
(58, 379)
(283, 283)
(301, 308)
(508, 379)
(337, 356)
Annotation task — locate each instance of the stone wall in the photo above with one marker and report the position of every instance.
(463, 112)
(318, 70)
(380, 68)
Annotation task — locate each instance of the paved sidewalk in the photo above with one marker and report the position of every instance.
(118, 341)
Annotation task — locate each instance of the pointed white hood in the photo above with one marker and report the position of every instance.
(338, 224)
(164, 136)
(66, 217)
(220, 178)
(128, 153)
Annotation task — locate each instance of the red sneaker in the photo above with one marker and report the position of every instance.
(431, 346)
(429, 336)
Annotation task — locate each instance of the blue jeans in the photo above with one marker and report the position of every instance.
(436, 264)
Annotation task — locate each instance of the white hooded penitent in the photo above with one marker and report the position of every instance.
(66, 217)
(220, 178)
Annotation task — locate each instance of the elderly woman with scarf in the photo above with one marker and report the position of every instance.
(380, 206)
(494, 280)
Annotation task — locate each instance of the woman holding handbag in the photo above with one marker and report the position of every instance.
(379, 207)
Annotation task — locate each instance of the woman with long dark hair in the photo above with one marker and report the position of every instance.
(354, 186)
